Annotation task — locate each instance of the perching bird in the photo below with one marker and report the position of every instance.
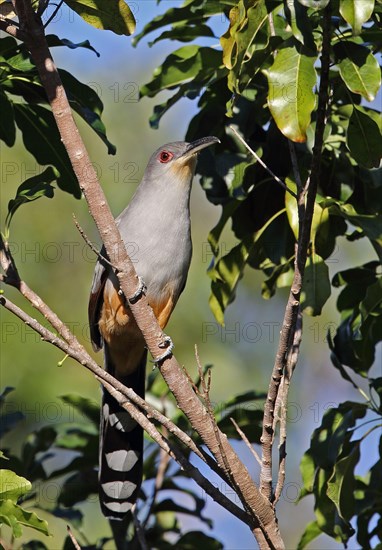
(155, 226)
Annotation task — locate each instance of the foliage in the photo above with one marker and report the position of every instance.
(263, 80)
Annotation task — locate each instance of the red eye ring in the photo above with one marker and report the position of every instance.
(165, 156)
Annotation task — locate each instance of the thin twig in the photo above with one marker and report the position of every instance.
(91, 245)
(260, 161)
(281, 407)
(72, 538)
(246, 440)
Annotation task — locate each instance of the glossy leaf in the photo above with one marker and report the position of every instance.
(291, 99)
(358, 68)
(314, 4)
(113, 15)
(356, 12)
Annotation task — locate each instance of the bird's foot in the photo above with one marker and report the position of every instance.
(141, 289)
(168, 345)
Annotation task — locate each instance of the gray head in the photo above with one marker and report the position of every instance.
(176, 161)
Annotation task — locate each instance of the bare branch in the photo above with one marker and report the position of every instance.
(305, 208)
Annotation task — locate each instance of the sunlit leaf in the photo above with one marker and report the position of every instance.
(291, 99)
(356, 12)
(359, 69)
(113, 15)
(12, 486)
(13, 515)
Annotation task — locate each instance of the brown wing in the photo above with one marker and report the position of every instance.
(95, 304)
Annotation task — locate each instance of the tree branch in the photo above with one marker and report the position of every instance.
(305, 215)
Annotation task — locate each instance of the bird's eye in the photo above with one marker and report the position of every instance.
(165, 156)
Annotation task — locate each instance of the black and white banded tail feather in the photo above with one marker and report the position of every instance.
(120, 448)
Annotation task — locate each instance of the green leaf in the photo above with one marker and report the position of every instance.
(32, 189)
(13, 515)
(316, 287)
(189, 14)
(7, 120)
(291, 99)
(341, 484)
(182, 66)
(42, 139)
(113, 15)
(358, 68)
(12, 486)
(308, 472)
(356, 12)
(315, 4)
(364, 139)
(312, 531)
(226, 276)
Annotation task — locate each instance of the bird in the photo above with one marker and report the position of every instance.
(156, 228)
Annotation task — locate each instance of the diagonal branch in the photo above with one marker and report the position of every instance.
(130, 401)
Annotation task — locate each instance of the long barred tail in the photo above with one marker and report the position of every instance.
(120, 449)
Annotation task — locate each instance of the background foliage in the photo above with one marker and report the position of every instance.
(262, 79)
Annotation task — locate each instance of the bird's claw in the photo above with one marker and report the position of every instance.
(168, 345)
(141, 288)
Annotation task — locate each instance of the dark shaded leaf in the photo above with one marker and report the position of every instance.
(32, 189)
(54, 41)
(364, 139)
(7, 120)
(41, 138)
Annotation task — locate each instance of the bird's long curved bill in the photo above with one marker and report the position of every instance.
(200, 144)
